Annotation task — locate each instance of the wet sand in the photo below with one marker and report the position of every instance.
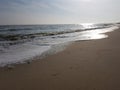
(84, 65)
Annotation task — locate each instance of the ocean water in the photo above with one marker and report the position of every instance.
(22, 43)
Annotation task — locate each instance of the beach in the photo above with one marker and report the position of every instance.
(83, 65)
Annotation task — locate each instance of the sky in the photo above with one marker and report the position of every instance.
(58, 11)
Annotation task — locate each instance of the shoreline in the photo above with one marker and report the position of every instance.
(28, 51)
(84, 65)
(18, 55)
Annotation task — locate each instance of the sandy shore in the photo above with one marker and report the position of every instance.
(86, 65)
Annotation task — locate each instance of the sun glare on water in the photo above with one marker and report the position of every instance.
(87, 25)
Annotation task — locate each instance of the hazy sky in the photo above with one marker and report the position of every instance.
(58, 11)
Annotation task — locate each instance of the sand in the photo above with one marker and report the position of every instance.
(84, 65)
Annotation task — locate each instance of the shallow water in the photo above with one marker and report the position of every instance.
(24, 42)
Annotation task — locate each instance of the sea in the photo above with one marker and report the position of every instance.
(25, 43)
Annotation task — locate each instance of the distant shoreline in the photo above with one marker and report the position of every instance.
(60, 23)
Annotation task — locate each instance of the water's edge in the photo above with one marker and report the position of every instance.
(59, 47)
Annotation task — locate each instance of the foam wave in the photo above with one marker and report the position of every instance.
(14, 36)
(21, 50)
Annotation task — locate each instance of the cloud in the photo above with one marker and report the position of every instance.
(59, 11)
(66, 6)
(17, 5)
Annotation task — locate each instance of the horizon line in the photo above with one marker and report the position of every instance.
(59, 23)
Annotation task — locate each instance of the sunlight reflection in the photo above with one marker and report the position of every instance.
(88, 25)
(95, 34)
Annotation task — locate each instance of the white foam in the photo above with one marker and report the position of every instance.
(18, 54)
(22, 52)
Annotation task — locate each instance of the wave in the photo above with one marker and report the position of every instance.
(8, 39)
(14, 37)
(21, 50)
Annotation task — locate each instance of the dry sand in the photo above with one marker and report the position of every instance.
(86, 65)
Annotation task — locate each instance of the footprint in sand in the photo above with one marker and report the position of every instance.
(55, 74)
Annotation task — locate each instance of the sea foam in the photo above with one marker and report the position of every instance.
(45, 45)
